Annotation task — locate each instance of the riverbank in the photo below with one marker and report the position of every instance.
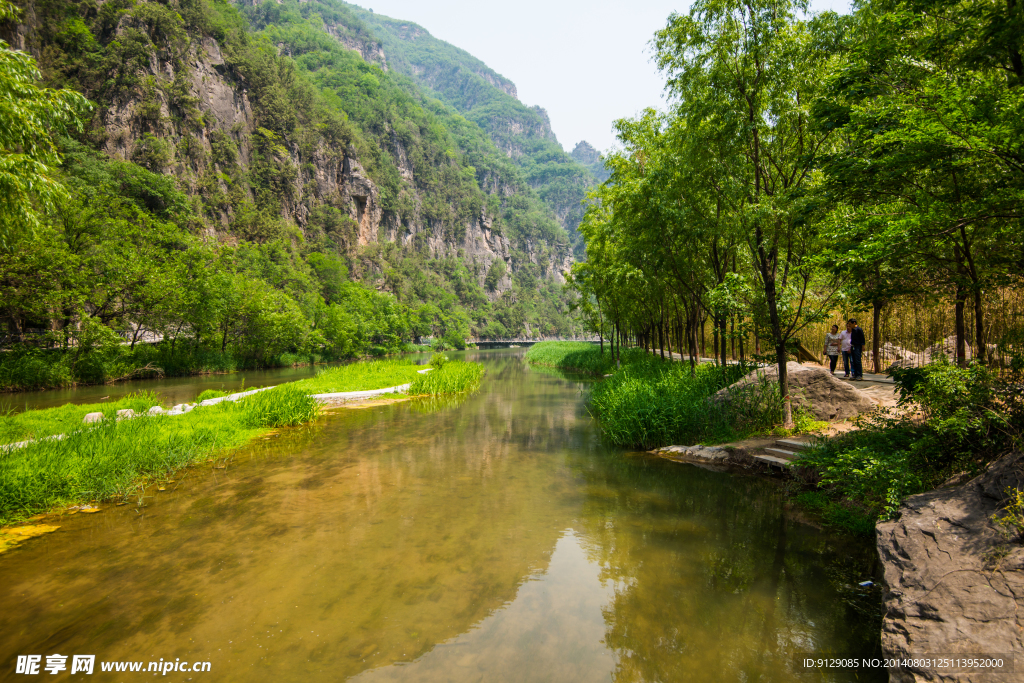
(68, 459)
(32, 369)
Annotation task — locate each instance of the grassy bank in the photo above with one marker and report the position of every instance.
(112, 459)
(37, 424)
(582, 357)
(951, 422)
(361, 376)
(651, 403)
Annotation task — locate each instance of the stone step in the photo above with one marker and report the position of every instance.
(772, 461)
(780, 453)
(793, 444)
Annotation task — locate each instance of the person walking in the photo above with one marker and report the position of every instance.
(844, 348)
(833, 343)
(856, 349)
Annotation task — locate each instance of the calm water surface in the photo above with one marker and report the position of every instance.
(496, 540)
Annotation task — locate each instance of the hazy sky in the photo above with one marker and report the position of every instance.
(586, 62)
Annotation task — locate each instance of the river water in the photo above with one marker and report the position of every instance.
(493, 540)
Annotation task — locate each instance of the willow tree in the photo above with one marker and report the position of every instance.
(743, 76)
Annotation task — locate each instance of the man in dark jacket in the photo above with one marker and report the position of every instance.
(856, 349)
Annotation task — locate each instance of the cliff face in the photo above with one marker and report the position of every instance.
(217, 118)
(955, 582)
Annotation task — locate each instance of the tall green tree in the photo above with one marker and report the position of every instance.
(744, 76)
(30, 117)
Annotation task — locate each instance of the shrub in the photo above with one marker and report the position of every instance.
(954, 420)
(438, 361)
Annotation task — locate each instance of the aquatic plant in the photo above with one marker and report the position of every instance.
(454, 377)
(284, 406)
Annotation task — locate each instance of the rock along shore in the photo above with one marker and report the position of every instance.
(955, 582)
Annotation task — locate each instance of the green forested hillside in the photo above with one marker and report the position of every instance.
(488, 99)
(249, 190)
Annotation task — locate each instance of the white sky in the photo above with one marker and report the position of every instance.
(586, 62)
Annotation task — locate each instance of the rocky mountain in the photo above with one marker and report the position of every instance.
(584, 154)
(490, 100)
(292, 120)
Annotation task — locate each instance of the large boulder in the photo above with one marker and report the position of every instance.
(955, 581)
(815, 390)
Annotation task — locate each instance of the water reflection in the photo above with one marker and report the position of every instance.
(495, 540)
(552, 631)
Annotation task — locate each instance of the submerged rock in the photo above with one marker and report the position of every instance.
(812, 389)
(955, 581)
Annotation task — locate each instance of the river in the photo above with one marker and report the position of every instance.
(493, 540)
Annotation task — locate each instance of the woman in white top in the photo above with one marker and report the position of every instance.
(833, 343)
(844, 345)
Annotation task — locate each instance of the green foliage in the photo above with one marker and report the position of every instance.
(454, 377)
(38, 424)
(285, 406)
(1011, 518)
(956, 420)
(31, 117)
(438, 361)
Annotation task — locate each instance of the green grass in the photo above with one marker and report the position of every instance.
(283, 406)
(210, 393)
(582, 357)
(36, 424)
(652, 403)
(378, 374)
(112, 459)
(453, 377)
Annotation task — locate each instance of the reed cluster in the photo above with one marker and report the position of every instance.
(453, 377)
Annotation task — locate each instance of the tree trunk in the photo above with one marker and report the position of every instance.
(961, 326)
(980, 348)
(876, 335)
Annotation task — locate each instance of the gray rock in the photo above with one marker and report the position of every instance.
(92, 417)
(955, 582)
(156, 410)
(125, 414)
(812, 389)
